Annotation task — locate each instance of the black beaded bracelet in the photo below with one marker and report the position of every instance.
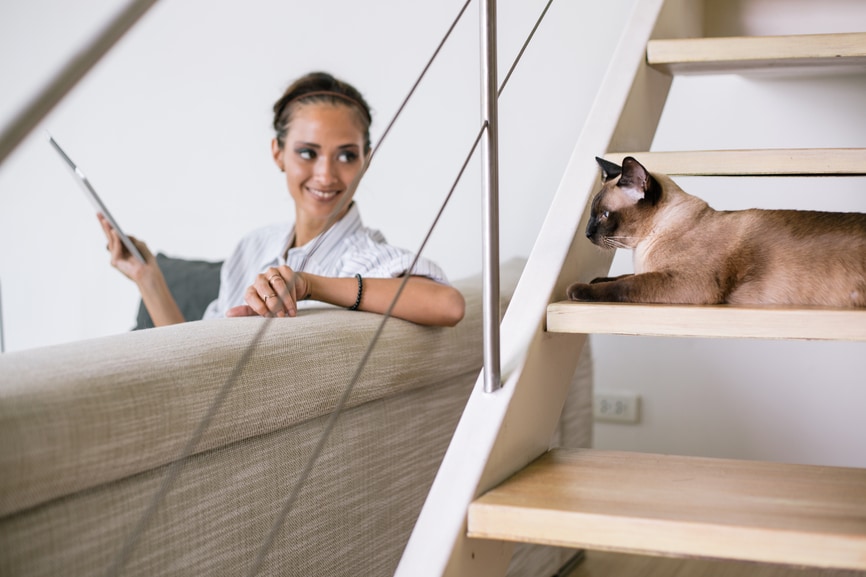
(355, 306)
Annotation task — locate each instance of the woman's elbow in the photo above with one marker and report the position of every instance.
(454, 308)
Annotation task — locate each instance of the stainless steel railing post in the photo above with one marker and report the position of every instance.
(490, 169)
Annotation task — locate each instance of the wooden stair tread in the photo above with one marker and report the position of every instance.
(672, 505)
(745, 53)
(707, 321)
(757, 162)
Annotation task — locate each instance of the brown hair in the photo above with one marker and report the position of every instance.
(319, 87)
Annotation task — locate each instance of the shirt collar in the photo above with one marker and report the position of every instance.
(328, 240)
(323, 243)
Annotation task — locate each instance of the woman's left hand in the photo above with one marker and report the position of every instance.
(275, 293)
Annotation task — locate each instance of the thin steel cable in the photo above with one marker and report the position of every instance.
(335, 414)
(176, 466)
(523, 48)
(356, 181)
(423, 73)
(69, 75)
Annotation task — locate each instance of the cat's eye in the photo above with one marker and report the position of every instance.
(605, 214)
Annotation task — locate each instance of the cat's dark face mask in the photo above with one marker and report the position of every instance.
(620, 211)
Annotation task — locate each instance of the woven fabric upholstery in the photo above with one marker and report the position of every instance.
(352, 517)
(88, 430)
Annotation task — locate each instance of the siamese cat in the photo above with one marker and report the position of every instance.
(687, 253)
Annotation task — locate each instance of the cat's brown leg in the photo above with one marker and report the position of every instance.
(654, 287)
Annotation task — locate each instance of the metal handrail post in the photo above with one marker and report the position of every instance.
(490, 182)
(53, 92)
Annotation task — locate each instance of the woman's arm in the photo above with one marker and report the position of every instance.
(423, 301)
(155, 294)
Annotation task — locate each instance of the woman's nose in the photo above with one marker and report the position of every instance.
(325, 170)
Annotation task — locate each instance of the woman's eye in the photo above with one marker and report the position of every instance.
(347, 157)
(306, 153)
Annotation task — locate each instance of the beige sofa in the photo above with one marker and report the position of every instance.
(89, 430)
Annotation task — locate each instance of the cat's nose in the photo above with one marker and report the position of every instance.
(590, 229)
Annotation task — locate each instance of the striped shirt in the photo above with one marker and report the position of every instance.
(344, 250)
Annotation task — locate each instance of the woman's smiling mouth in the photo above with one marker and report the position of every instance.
(323, 194)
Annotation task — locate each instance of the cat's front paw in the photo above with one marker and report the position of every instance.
(579, 292)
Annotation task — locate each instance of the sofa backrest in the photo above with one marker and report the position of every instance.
(81, 414)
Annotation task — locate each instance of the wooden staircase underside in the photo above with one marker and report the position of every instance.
(827, 52)
(756, 162)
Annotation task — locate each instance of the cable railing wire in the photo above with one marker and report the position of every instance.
(176, 466)
(356, 181)
(334, 416)
(525, 45)
(174, 469)
(14, 133)
(74, 70)
(332, 419)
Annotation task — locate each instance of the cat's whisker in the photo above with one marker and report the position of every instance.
(617, 242)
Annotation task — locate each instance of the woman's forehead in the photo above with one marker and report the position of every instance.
(325, 121)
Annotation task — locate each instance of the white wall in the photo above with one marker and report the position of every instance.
(173, 129)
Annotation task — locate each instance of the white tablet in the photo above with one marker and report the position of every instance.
(95, 200)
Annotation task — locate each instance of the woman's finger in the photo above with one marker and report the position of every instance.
(241, 311)
(283, 289)
(255, 301)
(262, 298)
(280, 282)
(115, 245)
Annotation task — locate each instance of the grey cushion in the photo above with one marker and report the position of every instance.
(193, 283)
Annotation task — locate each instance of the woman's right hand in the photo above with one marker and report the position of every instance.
(285, 286)
(121, 258)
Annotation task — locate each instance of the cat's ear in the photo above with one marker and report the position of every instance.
(609, 170)
(637, 179)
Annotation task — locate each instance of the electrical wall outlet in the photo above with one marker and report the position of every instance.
(616, 407)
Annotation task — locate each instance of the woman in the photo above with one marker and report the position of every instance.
(327, 255)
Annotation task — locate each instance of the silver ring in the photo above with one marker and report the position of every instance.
(269, 296)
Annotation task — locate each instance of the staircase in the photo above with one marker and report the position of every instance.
(499, 469)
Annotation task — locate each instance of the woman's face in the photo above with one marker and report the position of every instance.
(322, 155)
